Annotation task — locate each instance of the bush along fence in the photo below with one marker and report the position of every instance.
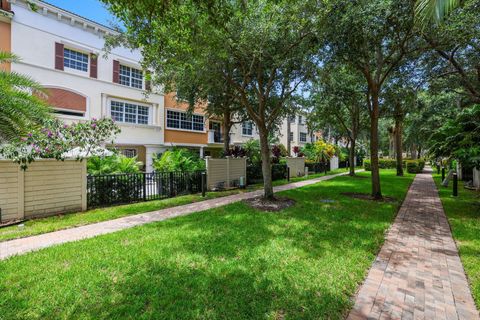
(110, 189)
(255, 175)
(412, 166)
(317, 167)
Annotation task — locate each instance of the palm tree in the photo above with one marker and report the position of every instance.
(427, 11)
(21, 105)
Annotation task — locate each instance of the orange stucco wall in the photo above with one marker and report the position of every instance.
(5, 41)
(178, 136)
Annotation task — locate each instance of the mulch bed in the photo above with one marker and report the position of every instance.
(277, 204)
(366, 196)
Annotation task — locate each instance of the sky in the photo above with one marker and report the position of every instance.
(91, 9)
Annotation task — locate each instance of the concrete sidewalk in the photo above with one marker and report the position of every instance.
(418, 273)
(24, 245)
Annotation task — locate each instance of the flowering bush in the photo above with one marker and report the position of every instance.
(55, 139)
(296, 150)
(319, 151)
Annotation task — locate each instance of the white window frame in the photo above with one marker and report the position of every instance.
(137, 104)
(246, 129)
(300, 137)
(129, 77)
(75, 69)
(184, 114)
(290, 136)
(125, 152)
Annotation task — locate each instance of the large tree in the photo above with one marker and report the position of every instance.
(400, 94)
(453, 60)
(271, 47)
(338, 99)
(372, 37)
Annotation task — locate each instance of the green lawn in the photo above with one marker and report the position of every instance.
(463, 213)
(232, 262)
(59, 222)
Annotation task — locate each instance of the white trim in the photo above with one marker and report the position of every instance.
(44, 8)
(122, 123)
(85, 75)
(79, 47)
(78, 43)
(186, 130)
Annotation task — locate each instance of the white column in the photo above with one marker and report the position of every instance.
(149, 152)
(201, 152)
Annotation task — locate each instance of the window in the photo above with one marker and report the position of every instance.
(291, 119)
(290, 136)
(131, 77)
(299, 119)
(129, 153)
(247, 128)
(129, 112)
(75, 60)
(184, 121)
(303, 137)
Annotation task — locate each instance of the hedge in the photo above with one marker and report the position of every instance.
(413, 166)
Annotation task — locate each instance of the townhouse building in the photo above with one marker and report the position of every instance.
(64, 52)
(295, 133)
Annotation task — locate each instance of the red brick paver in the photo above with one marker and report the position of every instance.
(418, 273)
(24, 245)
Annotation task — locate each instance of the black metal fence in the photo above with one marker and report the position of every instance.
(317, 167)
(109, 189)
(255, 175)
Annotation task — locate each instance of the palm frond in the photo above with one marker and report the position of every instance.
(434, 11)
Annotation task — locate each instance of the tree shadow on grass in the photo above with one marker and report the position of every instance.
(227, 263)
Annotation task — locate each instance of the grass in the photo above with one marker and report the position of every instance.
(64, 221)
(231, 262)
(463, 213)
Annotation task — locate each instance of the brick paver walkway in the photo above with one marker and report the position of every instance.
(24, 245)
(418, 273)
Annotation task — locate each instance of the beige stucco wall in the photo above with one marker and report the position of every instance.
(227, 170)
(46, 188)
(297, 166)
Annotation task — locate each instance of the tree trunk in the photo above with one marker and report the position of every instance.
(374, 114)
(266, 165)
(398, 145)
(227, 126)
(419, 152)
(351, 157)
(289, 146)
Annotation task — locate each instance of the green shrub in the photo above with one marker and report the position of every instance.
(382, 164)
(178, 159)
(113, 164)
(415, 166)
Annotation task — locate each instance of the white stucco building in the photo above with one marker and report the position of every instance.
(298, 133)
(64, 53)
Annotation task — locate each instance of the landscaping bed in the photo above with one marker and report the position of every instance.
(463, 213)
(232, 262)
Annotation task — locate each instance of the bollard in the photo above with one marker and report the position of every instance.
(443, 174)
(288, 174)
(455, 185)
(204, 182)
(438, 169)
